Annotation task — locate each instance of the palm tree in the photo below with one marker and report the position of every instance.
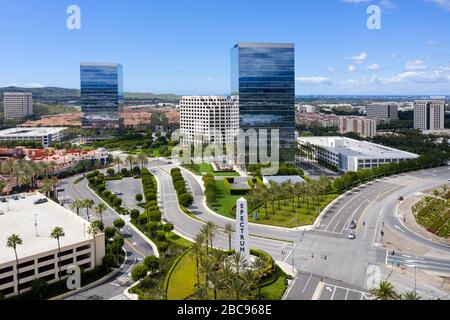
(142, 159)
(238, 287)
(200, 293)
(384, 291)
(58, 233)
(229, 230)
(216, 282)
(2, 186)
(88, 204)
(12, 242)
(207, 268)
(117, 161)
(93, 230)
(197, 251)
(239, 262)
(258, 266)
(250, 278)
(410, 295)
(47, 187)
(77, 205)
(130, 160)
(99, 209)
(212, 227)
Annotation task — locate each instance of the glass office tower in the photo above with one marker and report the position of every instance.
(101, 96)
(263, 81)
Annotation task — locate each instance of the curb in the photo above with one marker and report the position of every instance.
(128, 223)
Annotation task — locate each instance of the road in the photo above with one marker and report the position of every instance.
(135, 246)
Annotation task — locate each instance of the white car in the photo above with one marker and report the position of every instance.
(351, 235)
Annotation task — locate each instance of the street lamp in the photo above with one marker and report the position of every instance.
(414, 265)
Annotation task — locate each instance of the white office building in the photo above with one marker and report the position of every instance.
(208, 119)
(17, 105)
(429, 115)
(350, 155)
(38, 255)
(382, 111)
(43, 135)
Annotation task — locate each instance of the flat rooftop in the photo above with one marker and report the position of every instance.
(31, 131)
(351, 147)
(20, 219)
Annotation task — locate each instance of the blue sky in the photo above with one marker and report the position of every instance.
(182, 47)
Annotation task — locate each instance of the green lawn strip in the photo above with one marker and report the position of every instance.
(207, 168)
(182, 279)
(274, 290)
(224, 204)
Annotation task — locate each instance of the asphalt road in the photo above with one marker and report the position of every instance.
(135, 246)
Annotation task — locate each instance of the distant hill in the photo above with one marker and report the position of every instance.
(54, 95)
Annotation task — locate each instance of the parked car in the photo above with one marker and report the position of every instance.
(15, 198)
(353, 224)
(117, 193)
(351, 235)
(3, 200)
(41, 201)
(401, 199)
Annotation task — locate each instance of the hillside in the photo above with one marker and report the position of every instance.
(54, 95)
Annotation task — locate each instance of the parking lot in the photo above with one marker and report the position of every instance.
(335, 292)
(127, 188)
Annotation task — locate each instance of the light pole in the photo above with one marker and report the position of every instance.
(414, 265)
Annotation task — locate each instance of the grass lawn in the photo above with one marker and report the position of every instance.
(275, 290)
(224, 204)
(183, 279)
(176, 239)
(207, 168)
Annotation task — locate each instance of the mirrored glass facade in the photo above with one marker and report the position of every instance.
(101, 96)
(263, 80)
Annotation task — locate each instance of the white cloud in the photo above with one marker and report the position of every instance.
(444, 4)
(351, 68)
(416, 77)
(312, 81)
(360, 58)
(415, 65)
(373, 67)
(388, 4)
(355, 1)
(331, 69)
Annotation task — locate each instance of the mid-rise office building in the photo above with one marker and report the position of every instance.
(306, 108)
(429, 115)
(38, 255)
(362, 126)
(350, 155)
(208, 119)
(17, 105)
(263, 81)
(102, 96)
(382, 111)
(43, 135)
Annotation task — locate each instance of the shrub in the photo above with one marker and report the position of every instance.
(139, 197)
(109, 261)
(109, 232)
(186, 199)
(161, 236)
(168, 227)
(152, 227)
(154, 216)
(139, 272)
(106, 194)
(163, 247)
(110, 172)
(134, 214)
(142, 220)
(99, 224)
(117, 202)
(119, 223)
(152, 263)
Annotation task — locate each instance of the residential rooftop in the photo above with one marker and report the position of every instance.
(19, 217)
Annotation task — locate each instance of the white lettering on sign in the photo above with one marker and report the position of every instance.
(242, 236)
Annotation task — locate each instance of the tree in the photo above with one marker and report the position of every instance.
(229, 230)
(186, 199)
(134, 214)
(139, 198)
(2, 186)
(152, 263)
(239, 262)
(77, 205)
(39, 287)
(259, 266)
(130, 160)
(109, 233)
(119, 223)
(197, 250)
(93, 230)
(410, 295)
(100, 208)
(88, 204)
(142, 159)
(58, 233)
(384, 291)
(139, 273)
(12, 242)
(110, 172)
(117, 161)
(109, 262)
(237, 287)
